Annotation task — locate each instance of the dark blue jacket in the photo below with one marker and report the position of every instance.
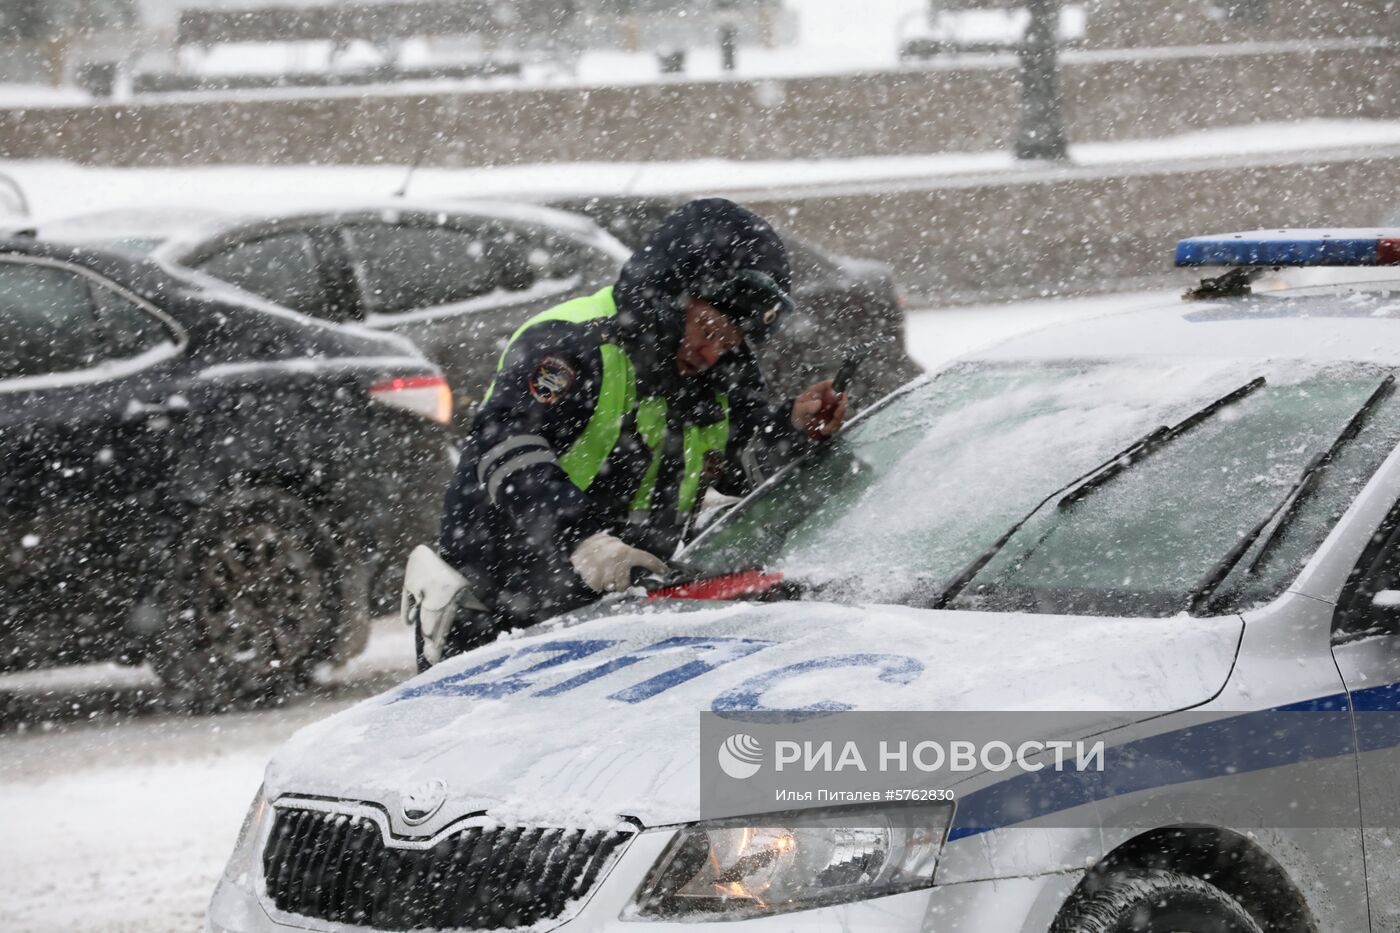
(512, 516)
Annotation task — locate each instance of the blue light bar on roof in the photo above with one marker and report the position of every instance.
(1355, 247)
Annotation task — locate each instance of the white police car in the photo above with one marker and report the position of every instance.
(1179, 528)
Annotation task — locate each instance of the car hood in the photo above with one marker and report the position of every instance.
(586, 722)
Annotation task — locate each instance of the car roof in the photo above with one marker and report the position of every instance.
(526, 211)
(76, 253)
(130, 223)
(578, 202)
(191, 224)
(1357, 322)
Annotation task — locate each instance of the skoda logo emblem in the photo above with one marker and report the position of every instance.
(420, 803)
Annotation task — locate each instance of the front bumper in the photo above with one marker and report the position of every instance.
(1016, 905)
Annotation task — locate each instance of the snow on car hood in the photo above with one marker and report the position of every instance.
(582, 723)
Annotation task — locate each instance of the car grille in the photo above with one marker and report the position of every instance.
(336, 867)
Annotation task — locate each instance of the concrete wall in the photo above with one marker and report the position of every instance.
(1067, 230)
(1133, 23)
(900, 112)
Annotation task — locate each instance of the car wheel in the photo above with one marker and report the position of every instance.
(254, 602)
(1154, 902)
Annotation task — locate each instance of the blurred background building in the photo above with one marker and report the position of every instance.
(95, 43)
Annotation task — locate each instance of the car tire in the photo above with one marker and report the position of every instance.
(1154, 901)
(253, 600)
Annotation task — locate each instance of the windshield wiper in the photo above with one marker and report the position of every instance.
(1081, 485)
(1288, 506)
(1152, 441)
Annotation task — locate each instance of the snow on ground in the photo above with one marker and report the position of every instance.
(125, 826)
(387, 651)
(58, 189)
(28, 95)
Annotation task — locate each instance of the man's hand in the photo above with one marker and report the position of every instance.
(605, 563)
(819, 411)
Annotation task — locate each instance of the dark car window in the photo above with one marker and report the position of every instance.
(403, 268)
(126, 328)
(553, 256)
(630, 220)
(46, 321)
(282, 268)
(809, 266)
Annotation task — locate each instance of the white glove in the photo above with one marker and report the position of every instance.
(605, 563)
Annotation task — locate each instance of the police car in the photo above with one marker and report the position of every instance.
(1177, 530)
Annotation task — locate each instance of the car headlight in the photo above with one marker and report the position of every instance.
(239, 870)
(760, 867)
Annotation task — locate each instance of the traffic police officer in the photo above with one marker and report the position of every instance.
(608, 418)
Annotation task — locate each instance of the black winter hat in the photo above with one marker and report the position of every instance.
(712, 249)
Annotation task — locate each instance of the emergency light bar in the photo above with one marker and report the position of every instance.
(1344, 247)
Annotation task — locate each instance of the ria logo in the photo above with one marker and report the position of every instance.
(740, 756)
(419, 804)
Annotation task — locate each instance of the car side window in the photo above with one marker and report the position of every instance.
(403, 268)
(126, 329)
(1370, 602)
(518, 257)
(556, 257)
(808, 266)
(46, 321)
(283, 268)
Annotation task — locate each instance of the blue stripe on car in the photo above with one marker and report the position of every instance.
(1198, 752)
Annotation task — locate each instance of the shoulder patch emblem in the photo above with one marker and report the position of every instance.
(551, 379)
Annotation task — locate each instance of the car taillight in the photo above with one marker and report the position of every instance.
(429, 396)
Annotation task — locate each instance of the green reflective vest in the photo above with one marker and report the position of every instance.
(617, 398)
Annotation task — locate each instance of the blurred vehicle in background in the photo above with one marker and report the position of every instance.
(456, 280)
(844, 304)
(198, 480)
(13, 202)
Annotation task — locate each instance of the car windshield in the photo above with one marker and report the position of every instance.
(908, 498)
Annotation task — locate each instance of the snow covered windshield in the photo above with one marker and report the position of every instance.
(910, 498)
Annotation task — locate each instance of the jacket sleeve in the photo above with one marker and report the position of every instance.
(543, 398)
(762, 439)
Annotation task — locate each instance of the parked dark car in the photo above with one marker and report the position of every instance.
(844, 304)
(199, 479)
(456, 280)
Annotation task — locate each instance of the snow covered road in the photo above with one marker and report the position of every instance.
(125, 820)
(117, 822)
